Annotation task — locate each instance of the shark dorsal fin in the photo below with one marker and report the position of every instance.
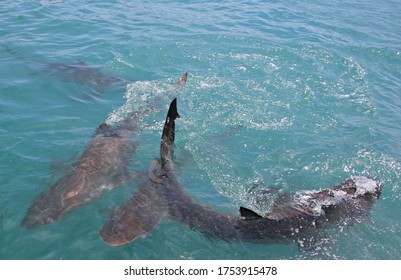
(249, 214)
(172, 112)
(168, 135)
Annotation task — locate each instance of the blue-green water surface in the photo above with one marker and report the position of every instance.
(294, 94)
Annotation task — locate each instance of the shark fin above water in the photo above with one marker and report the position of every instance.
(295, 217)
(182, 81)
(168, 135)
(249, 214)
(144, 210)
(102, 166)
(172, 112)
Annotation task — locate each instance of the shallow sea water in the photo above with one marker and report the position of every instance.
(300, 96)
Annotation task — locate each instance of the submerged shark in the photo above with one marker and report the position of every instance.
(161, 196)
(144, 209)
(102, 166)
(294, 217)
(83, 74)
(291, 217)
(78, 72)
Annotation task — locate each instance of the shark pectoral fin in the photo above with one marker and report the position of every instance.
(249, 214)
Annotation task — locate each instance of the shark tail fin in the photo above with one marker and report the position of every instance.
(249, 214)
(182, 81)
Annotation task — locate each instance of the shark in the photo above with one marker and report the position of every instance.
(102, 166)
(291, 218)
(78, 72)
(84, 74)
(161, 196)
(143, 211)
(297, 216)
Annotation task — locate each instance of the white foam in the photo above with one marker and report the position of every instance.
(308, 202)
(136, 94)
(364, 185)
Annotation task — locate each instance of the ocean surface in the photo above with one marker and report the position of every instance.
(299, 95)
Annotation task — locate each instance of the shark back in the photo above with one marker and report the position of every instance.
(162, 196)
(295, 216)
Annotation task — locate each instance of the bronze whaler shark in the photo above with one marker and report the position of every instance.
(291, 218)
(102, 166)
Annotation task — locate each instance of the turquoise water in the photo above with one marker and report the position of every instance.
(294, 94)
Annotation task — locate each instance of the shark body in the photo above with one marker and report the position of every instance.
(292, 217)
(102, 166)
